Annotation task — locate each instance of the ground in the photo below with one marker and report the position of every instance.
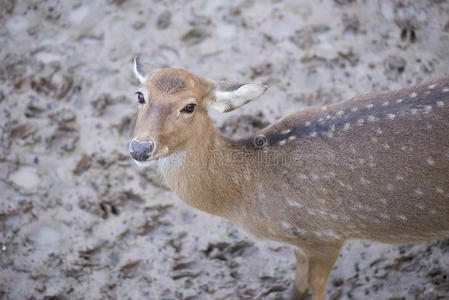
(79, 220)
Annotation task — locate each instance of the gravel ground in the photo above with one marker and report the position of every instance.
(79, 220)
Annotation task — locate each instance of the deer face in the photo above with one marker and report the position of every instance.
(172, 108)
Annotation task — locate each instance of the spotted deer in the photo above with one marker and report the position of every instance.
(375, 167)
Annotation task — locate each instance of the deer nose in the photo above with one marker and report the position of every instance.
(141, 151)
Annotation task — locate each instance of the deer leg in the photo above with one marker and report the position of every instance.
(320, 268)
(301, 286)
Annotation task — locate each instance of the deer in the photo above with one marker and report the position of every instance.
(375, 167)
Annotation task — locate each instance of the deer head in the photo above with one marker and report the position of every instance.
(172, 108)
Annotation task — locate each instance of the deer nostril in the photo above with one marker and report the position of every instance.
(141, 151)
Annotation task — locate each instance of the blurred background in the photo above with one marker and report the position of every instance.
(79, 220)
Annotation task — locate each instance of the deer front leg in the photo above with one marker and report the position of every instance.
(320, 266)
(301, 286)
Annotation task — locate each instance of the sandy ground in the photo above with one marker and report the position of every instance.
(79, 220)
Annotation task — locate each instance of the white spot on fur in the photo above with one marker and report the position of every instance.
(311, 211)
(386, 103)
(384, 216)
(313, 134)
(293, 203)
(364, 180)
(324, 108)
(386, 146)
(303, 176)
(430, 161)
(332, 128)
(413, 95)
(379, 131)
(414, 111)
(445, 90)
(439, 190)
(291, 138)
(285, 225)
(369, 106)
(361, 161)
(260, 191)
(346, 127)
(354, 109)
(427, 108)
(287, 131)
(372, 118)
(340, 113)
(247, 173)
(307, 123)
(327, 233)
(391, 116)
(283, 142)
(419, 192)
(440, 104)
(401, 217)
(328, 117)
(399, 100)
(399, 177)
(360, 122)
(431, 87)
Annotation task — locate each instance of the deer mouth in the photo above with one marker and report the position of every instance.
(150, 160)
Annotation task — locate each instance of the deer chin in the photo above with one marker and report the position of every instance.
(144, 164)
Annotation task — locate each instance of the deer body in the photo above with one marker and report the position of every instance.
(376, 168)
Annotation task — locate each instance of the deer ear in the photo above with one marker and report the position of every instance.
(230, 96)
(142, 70)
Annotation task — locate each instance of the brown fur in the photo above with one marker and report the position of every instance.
(378, 172)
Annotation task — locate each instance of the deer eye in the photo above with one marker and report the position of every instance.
(189, 108)
(140, 98)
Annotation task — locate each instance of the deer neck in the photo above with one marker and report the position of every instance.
(196, 173)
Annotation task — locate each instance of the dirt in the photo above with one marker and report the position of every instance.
(78, 219)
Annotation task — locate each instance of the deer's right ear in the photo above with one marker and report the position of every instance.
(142, 70)
(230, 95)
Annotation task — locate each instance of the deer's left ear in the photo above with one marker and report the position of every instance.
(142, 70)
(230, 96)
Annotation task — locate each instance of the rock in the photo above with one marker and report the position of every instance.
(350, 24)
(14, 69)
(83, 165)
(350, 56)
(344, 2)
(101, 103)
(139, 25)
(6, 7)
(25, 177)
(394, 66)
(263, 69)
(164, 20)
(306, 37)
(194, 36)
(117, 2)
